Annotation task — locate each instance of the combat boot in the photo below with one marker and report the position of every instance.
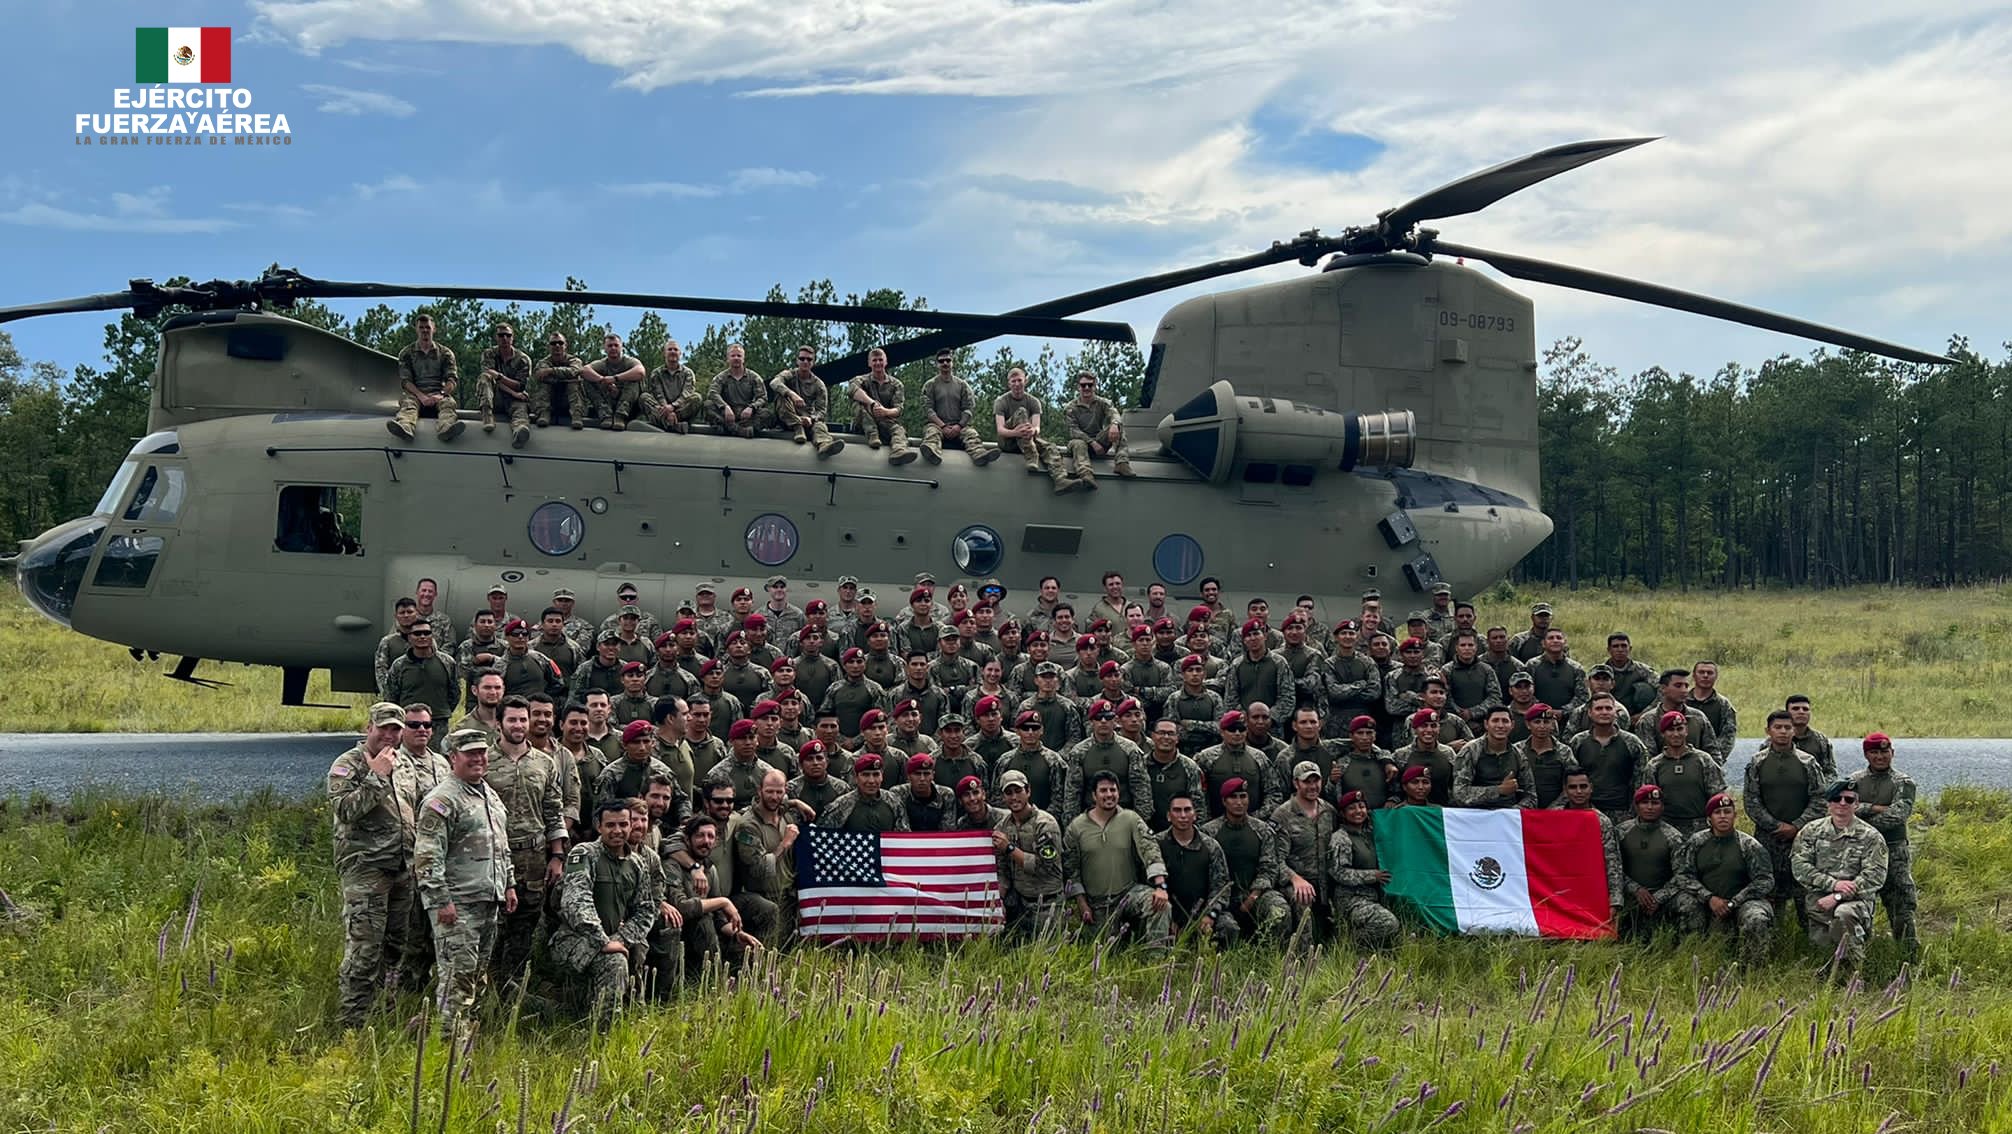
(931, 454)
(488, 420)
(399, 429)
(799, 437)
(452, 429)
(872, 436)
(906, 456)
(618, 425)
(829, 448)
(1124, 469)
(986, 457)
(520, 435)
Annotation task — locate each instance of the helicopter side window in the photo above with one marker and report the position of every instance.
(318, 519)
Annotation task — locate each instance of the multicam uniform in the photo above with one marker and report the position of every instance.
(604, 897)
(951, 403)
(1033, 891)
(815, 417)
(529, 786)
(373, 825)
(516, 366)
(1198, 885)
(431, 372)
(886, 393)
(675, 390)
(1822, 855)
(610, 409)
(740, 394)
(1256, 857)
(550, 373)
(461, 856)
(1089, 424)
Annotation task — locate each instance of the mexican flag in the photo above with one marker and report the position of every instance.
(1465, 870)
(181, 55)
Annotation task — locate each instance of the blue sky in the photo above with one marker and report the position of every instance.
(1832, 160)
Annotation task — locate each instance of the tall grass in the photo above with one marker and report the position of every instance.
(172, 967)
(1910, 662)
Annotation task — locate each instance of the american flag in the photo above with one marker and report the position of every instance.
(922, 885)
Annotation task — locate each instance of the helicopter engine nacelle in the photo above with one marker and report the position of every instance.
(1215, 429)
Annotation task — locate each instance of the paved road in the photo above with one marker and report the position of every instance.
(220, 766)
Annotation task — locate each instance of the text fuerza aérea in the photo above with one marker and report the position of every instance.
(182, 110)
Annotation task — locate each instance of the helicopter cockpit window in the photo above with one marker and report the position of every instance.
(122, 483)
(128, 561)
(318, 519)
(158, 499)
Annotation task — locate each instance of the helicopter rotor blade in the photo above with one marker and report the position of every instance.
(1581, 279)
(282, 288)
(1477, 191)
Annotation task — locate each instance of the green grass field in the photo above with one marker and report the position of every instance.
(173, 969)
(1909, 662)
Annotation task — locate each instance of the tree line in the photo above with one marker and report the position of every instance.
(1824, 470)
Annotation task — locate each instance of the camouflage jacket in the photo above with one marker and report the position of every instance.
(1895, 789)
(1090, 422)
(760, 865)
(1347, 876)
(841, 810)
(413, 778)
(1305, 839)
(1268, 679)
(1270, 870)
(430, 372)
(1823, 854)
(604, 898)
(1754, 803)
(1759, 868)
(729, 392)
(668, 389)
(514, 365)
(1040, 836)
(1672, 837)
(461, 848)
(1086, 758)
(1477, 775)
(551, 371)
(816, 397)
(530, 789)
(1725, 722)
(1217, 902)
(372, 823)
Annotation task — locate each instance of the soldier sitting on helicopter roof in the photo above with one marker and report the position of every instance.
(426, 379)
(554, 376)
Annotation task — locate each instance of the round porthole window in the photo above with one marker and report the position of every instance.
(977, 550)
(556, 528)
(1177, 560)
(771, 539)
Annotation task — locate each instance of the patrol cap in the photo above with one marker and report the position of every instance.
(635, 730)
(387, 713)
(1085, 642)
(1047, 669)
(1601, 670)
(986, 704)
(1102, 710)
(1836, 792)
(1415, 616)
(866, 762)
(687, 606)
(777, 581)
(499, 589)
(1424, 717)
(1193, 661)
(1648, 793)
(815, 606)
(921, 761)
(1413, 772)
(952, 720)
(740, 729)
(1027, 717)
(606, 636)
(1351, 797)
(1442, 588)
(1372, 595)
(1013, 779)
(705, 589)
(632, 667)
(848, 580)
(1540, 709)
(756, 621)
(563, 593)
(925, 578)
(626, 589)
(1234, 719)
(630, 610)
(906, 705)
(872, 717)
(1231, 786)
(1718, 800)
(948, 631)
(1305, 770)
(1521, 677)
(867, 596)
(468, 739)
(1540, 608)
(768, 707)
(1670, 720)
(1363, 721)
(1107, 669)
(969, 782)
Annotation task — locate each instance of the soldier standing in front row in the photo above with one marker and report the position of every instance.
(371, 821)
(461, 867)
(1885, 800)
(427, 376)
(879, 397)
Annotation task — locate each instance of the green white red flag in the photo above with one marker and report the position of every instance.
(181, 55)
(1467, 870)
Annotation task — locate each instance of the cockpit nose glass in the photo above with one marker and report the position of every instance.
(52, 573)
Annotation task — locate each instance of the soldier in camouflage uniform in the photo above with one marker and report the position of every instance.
(1094, 431)
(1029, 841)
(1016, 419)
(425, 674)
(879, 400)
(607, 908)
(1719, 712)
(1353, 684)
(1356, 881)
(555, 378)
(1113, 871)
(949, 403)
(427, 376)
(1103, 751)
(505, 386)
(1490, 772)
(461, 867)
(1783, 792)
(1840, 862)
(1306, 824)
(670, 395)
(1689, 777)
(1198, 877)
(801, 405)
(737, 396)
(1648, 849)
(1256, 857)
(610, 388)
(1808, 739)
(1730, 876)
(372, 844)
(760, 837)
(1885, 801)
(1195, 708)
(394, 645)
(1576, 794)
(527, 780)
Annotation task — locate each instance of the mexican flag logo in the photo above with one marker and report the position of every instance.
(181, 55)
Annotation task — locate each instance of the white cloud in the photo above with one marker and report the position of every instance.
(128, 214)
(270, 211)
(676, 189)
(739, 181)
(348, 100)
(746, 180)
(396, 183)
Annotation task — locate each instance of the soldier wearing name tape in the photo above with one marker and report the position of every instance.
(373, 824)
(801, 405)
(1885, 802)
(610, 388)
(1029, 841)
(1094, 431)
(879, 400)
(1016, 421)
(427, 378)
(461, 868)
(949, 404)
(1839, 861)
(670, 397)
(737, 396)
(553, 379)
(505, 386)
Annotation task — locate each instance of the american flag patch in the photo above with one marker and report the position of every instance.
(437, 807)
(339, 770)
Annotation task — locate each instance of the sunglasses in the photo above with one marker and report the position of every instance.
(418, 724)
(422, 634)
(1847, 799)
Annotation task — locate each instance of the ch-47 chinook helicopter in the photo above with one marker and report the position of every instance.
(1370, 422)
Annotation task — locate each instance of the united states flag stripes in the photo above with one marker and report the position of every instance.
(922, 885)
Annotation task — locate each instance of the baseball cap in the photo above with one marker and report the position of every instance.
(387, 713)
(468, 739)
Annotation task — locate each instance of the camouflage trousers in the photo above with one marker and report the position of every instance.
(1786, 888)
(547, 398)
(1267, 920)
(764, 917)
(1033, 919)
(1678, 911)
(741, 424)
(1843, 931)
(782, 414)
(520, 930)
(1129, 915)
(594, 404)
(1222, 935)
(1899, 895)
(447, 414)
(1752, 920)
(1367, 920)
(461, 957)
(934, 442)
(599, 981)
(1081, 451)
(890, 433)
(376, 916)
(499, 402)
(1040, 455)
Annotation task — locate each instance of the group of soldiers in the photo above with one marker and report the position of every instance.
(616, 391)
(628, 812)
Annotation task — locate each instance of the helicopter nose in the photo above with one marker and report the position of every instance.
(51, 569)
